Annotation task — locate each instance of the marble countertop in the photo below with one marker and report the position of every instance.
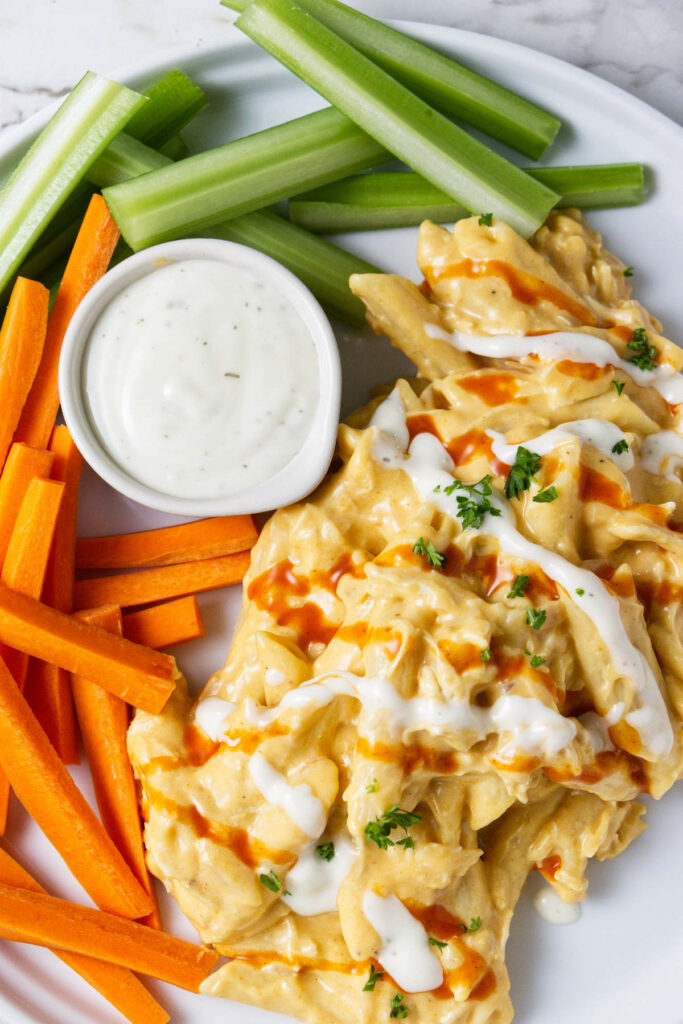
(46, 45)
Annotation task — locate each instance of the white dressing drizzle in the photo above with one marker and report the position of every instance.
(602, 434)
(663, 453)
(275, 677)
(313, 883)
(299, 802)
(210, 715)
(429, 466)
(553, 909)
(576, 346)
(405, 952)
(525, 723)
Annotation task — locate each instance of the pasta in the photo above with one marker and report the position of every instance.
(460, 660)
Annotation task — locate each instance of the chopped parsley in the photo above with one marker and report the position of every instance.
(379, 830)
(475, 925)
(325, 850)
(519, 586)
(372, 786)
(646, 354)
(470, 510)
(271, 881)
(580, 591)
(437, 942)
(373, 977)
(618, 386)
(408, 843)
(546, 495)
(535, 617)
(485, 655)
(486, 220)
(526, 465)
(628, 272)
(620, 446)
(427, 549)
(537, 660)
(398, 1008)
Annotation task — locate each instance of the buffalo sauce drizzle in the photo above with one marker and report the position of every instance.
(462, 449)
(595, 486)
(274, 589)
(493, 388)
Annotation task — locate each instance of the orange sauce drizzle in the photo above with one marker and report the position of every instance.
(410, 757)
(363, 635)
(585, 371)
(595, 486)
(524, 287)
(606, 763)
(658, 592)
(199, 748)
(461, 449)
(550, 866)
(461, 657)
(249, 739)
(493, 388)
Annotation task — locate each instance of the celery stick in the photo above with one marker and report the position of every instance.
(87, 121)
(393, 200)
(176, 148)
(240, 176)
(450, 87)
(124, 158)
(174, 100)
(323, 267)
(427, 141)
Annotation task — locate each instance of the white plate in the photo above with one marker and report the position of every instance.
(622, 961)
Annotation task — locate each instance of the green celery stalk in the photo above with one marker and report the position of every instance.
(423, 138)
(366, 202)
(322, 266)
(174, 100)
(453, 89)
(90, 117)
(240, 176)
(176, 148)
(125, 158)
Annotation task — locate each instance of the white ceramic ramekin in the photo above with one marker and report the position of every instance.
(301, 474)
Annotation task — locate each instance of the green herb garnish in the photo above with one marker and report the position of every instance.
(535, 617)
(475, 925)
(618, 386)
(628, 272)
(546, 495)
(373, 977)
(526, 465)
(398, 1009)
(580, 591)
(486, 220)
(620, 446)
(646, 354)
(470, 510)
(379, 830)
(537, 660)
(427, 549)
(325, 850)
(271, 881)
(485, 655)
(519, 586)
(372, 787)
(437, 942)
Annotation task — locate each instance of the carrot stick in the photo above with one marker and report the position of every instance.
(89, 259)
(21, 345)
(48, 921)
(24, 570)
(165, 624)
(23, 463)
(188, 542)
(147, 585)
(49, 794)
(103, 719)
(49, 690)
(117, 984)
(138, 675)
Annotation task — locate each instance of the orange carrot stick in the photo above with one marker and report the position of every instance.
(21, 345)
(117, 984)
(165, 624)
(89, 259)
(23, 463)
(188, 542)
(48, 921)
(24, 570)
(149, 585)
(103, 719)
(138, 675)
(48, 690)
(49, 794)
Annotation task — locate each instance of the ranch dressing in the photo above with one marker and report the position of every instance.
(201, 379)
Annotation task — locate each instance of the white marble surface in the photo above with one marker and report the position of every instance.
(46, 45)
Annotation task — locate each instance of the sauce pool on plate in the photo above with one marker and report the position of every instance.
(201, 379)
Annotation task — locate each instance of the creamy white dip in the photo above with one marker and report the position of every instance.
(201, 379)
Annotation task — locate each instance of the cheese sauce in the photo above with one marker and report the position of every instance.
(201, 379)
